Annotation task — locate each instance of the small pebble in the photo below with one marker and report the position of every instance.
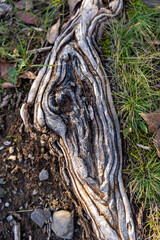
(46, 156)
(1, 180)
(9, 218)
(43, 175)
(7, 143)
(12, 157)
(14, 192)
(37, 216)
(20, 160)
(34, 192)
(31, 156)
(11, 150)
(1, 148)
(6, 204)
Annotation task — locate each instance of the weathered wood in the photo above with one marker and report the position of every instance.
(72, 99)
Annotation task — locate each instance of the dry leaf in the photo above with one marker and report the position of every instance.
(8, 85)
(28, 18)
(53, 32)
(72, 4)
(27, 75)
(156, 141)
(4, 8)
(4, 68)
(23, 4)
(153, 120)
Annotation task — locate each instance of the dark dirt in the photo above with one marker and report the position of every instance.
(21, 178)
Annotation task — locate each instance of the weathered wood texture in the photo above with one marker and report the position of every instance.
(71, 98)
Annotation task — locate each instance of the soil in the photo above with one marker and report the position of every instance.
(21, 177)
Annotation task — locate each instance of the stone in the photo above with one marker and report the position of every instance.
(6, 204)
(14, 192)
(9, 218)
(12, 157)
(30, 156)
(34, 192)
(7, 143)
(151, 4)
(20, 160)
(1, 180)
(37, 216)
(1, 192)
(1, 148)
(63, 224)
(11, 150)
(43, 175)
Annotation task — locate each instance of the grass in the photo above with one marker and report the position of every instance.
(134, 59)
(16, 37)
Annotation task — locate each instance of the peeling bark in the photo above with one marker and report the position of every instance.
(71, 99)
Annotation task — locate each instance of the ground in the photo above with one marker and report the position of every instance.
(19, 171)
(21, 179)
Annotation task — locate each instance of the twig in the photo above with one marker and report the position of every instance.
(49, 231)
(44, 49)
(28, 210)
(17, 231)
(143, 147)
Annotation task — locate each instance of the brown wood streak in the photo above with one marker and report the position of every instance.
(72, 99)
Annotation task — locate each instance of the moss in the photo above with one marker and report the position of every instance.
(107, 45)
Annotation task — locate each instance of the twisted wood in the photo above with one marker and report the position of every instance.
(71, 98)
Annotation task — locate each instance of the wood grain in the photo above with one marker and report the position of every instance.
(71, 98)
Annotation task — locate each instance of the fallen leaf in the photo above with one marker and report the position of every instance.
(23, 4)
(153, 120)
(4, 69)
(4, 8)
(53, 32)
(72, 4)
(27, 75)
(8, 85)
(28, 18)
(156, 141)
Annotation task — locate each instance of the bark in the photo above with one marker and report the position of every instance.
(71, 99)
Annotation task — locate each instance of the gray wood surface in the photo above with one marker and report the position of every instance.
(71, 102)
